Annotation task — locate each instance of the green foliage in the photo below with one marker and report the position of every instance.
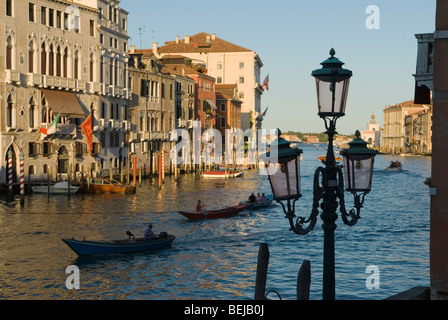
(322, 135)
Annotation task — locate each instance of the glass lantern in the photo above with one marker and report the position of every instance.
(284, 170)
(358, 165)
(332, 82)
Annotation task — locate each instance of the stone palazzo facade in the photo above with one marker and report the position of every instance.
(66, 58)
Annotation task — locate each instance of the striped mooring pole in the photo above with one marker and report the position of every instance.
(10, 172)
(22, 178)
(22, 174)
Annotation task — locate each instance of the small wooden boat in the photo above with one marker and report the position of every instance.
(57, 188)
(232, 168)
(214, 214)
(222, 174)
(88, 248)
(98, 185)
(395, 166)
(262, 204)
(337, 158)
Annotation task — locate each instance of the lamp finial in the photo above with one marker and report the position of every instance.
(332, 52)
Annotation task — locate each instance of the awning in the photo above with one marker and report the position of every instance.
(64, 102)
(211, 103)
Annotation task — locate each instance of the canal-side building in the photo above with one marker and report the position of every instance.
(203, 91)
(152, 115)
(432, 88)
(52, 67)
(228, 63)
(394, 138)
(228, 113)
(109, 85)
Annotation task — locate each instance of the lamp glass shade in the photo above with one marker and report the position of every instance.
(285, 179)
(332, 92)
(358, 172)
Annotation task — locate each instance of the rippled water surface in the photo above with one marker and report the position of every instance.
(216, 259)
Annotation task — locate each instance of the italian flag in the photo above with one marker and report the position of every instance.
(52, 129)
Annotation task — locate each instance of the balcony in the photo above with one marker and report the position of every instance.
(35, 79)
(12, 76)
(162, 136)
(96, 87)
(424, 75)
(81, 85)
(64, 129)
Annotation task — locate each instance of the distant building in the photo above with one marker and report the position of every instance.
(228, 63)
(394, 135)
(418, 132)
(291, 137)
(228, 112)
(152, 116)
(311, 139)
(370, 134)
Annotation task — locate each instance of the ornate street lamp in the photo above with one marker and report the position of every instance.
(332, 82)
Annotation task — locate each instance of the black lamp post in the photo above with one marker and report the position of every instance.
(332, 82)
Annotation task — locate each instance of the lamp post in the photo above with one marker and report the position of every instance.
(332, 82)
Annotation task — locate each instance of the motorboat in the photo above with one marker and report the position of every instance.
(101, 185)
(88, 248)
(57, 188)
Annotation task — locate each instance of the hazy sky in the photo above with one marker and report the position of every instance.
(292, 38)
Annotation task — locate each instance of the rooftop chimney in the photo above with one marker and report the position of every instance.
(132, 49)
(177, 39)
(154, 47)
(187, 39)
(213, 36)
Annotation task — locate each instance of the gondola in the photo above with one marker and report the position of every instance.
(215, 214)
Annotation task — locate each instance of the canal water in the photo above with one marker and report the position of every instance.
(216, 259)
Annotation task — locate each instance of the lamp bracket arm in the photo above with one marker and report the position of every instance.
(350, 218)
(298, 226)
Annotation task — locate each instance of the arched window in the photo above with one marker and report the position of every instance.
(9, 53)
(43, 60)
(32, 111)
(51, 61)
(101, 69)
(111, 72)
(91, 67)
(76, 65)
(10, 112)
(58, 62)
(31, 57)
(65, 75)
(44, 117)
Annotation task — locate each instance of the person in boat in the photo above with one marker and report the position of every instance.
(199, 207)
(258, 197)
(263, 198)
(149, 235)
(131, 236)
(252, 198)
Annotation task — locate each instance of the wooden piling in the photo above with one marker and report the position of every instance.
(262, 272)
(304, 281)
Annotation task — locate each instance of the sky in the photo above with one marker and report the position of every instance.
(292, 38)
